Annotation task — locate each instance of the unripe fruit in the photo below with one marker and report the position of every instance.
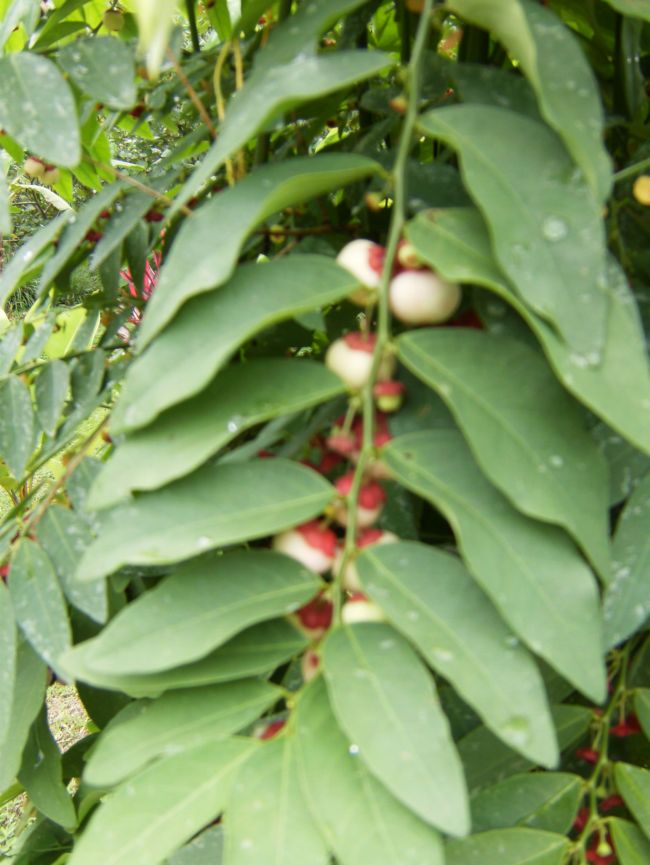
(316, 616)
(364, 260)
(113, 20)
(370, 501)
(407, 256)
(422, 297)
(350, 357)
(388, 395)
(367, 537)
(359, 608)
(33, 167)
(309, 665)
(312, 544)
(51, 175)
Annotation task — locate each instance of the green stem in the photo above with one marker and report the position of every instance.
(632, 170)
(194, 30)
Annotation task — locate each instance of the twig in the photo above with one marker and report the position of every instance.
(191, 92)
(137, 184)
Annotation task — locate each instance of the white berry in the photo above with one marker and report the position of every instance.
(422, 297)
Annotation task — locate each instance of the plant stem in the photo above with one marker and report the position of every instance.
(631, 170)
(194, 30)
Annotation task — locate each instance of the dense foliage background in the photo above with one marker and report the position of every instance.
(175, 185)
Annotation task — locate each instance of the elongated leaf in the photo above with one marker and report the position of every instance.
(255, 651)
(362, 822)
(554, 253)
(5, 214)
(38, 602)
(37, 108)
(380, 691)
(199, 608)
(634, 786)
(532, 572)
(51, 393)
(103, 68)
(180, 440)
(508, 847)
(635, 8)
(41, 774)
(64, 535)
(16, 425)
(267, 820)
(432, 599)
(626, 605)
(17, 10)
(28, 694)
(488, 761)
(642, 706)
(8, 650)
(188, 354)
(456, 243)
(564, 83)
(632, 846)
(539, 800)
(526, 434)
(196, 264)
(175, 798)
(178, 720)
(214, 507)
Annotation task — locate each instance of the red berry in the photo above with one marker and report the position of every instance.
(581, 819)
(589, 755)
(627, 727)
(610, 803)
(316, 615)
(271, 729)
(329, 462)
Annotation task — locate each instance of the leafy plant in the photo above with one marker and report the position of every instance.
(331, 493)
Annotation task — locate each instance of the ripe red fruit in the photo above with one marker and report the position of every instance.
(422, 297)
(388, 395)
(359, 608)
(312, 544)
(627, 727)
(610, 803)
(589, 755)
(93, 236)
(581, 819)
(316, 616)
(365, 538)
(370, 501)
(364, 260)
(154, 216)
(270, 730)
(351, 358)
(309, 665)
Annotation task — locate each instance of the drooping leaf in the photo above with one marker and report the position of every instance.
(38, 602)
(176, 721)
(380, 691)
(8, 650)
(362, 822)
(51, 393)
(188, 354)
(176, 797)
(195, 264)
(526, 434)
(632, 846)
(564, 83)
(38, 109)
(267, 820)
(626, 605)
(197, 609)
(539, 800)
(103, 68)
(554, 253)
(214, 507)
(633, 784)
(257, 650)
(16, 425)
(65, 535)
(642, 706)
(456, 243)
(508, 847)
(532, 572)
(432, 600)
(181, 440)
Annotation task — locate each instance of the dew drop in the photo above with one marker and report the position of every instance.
(354, 750)
(204, 543)
(554, 228)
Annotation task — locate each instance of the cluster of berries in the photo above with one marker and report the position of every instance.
(40, 170)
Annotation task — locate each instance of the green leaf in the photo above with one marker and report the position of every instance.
(525, 433)
(539, 800)
(51, 393)
(42, 777)
(214, 507)
(16, 425)
(626, 605)
(532, 572)
(29, 692)
(204, 849)
(5, 213)
(178, 720)
(456, 243)
(65, 535)
(554, 252)
(8, 650)
(255, 651)
(627, 465)
(381, 692)
(195, 264)
(188, 354)
(173, 799)
(634, 786)
(181, 440)
(38, 109)
(12, 17)
(359, 819)
(267, 821)
(642, 706)
(432, 599)
(563, 80)
(631, 845)
(38, 603)
(634, 8)
(103, 68)
(487, 760)
(199, 608)
(508, 847)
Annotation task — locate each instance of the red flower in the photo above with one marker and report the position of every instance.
(627, 727)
